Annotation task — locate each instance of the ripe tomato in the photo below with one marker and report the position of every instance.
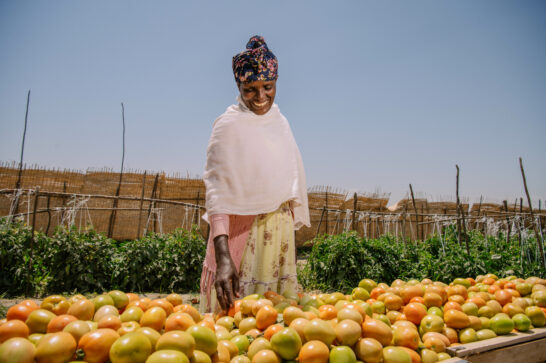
(17, 350)
(19, 312)
(58, 323)
(12, 329)
(94, 346)
(82, 309)
(55, 347)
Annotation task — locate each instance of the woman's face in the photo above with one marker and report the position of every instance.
(258, 96)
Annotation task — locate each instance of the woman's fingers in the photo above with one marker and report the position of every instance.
(220, 295)
(235, 283)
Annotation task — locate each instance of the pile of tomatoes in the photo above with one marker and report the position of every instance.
(405, 322)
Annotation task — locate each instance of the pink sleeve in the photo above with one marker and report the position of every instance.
(219, 225)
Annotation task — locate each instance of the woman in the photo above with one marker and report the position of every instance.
(256, 193)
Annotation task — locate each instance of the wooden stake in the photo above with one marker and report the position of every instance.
(508, 225)
(459, 238)
(320, 222)
(539, 241)
(326, 210)
(151, 203)
(31, 247)
(354, 211)
(415, 210)
(141, 203)
(113, 214)
(20, 174)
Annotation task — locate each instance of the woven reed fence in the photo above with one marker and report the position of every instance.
(161, 203)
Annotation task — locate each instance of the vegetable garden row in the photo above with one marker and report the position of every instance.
(88, 262)
(367, 300)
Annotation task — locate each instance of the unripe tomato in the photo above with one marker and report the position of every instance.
(38, 320)
(131, 348)
(77, 329)
(55, 347)
(57, 304)
(167, 356)
(17, 350)
(154, 318)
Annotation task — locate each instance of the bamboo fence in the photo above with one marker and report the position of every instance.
(157, 202)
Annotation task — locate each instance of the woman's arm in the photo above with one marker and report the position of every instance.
(227, 278)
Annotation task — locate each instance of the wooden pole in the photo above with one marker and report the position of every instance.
(196, 220)
(48, 214)
(151, 203)
(20, 174)
(326, 210)
(508, 226)
(459, 237)
(320, 222)
(354, 211)
(539, 241)
(141, 203)
(113, 214)
(479, 210)
(415, 210)
(31, 247)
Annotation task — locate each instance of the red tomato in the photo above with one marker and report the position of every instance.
(19, 312)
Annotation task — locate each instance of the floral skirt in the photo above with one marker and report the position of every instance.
(269, 258)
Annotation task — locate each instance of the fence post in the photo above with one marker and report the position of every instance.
(539, 241)
(354, 211)
(141, 203)
(31, 247)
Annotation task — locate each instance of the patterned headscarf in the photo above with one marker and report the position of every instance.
(256, 63)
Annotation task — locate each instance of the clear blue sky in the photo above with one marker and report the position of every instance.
(379, 94)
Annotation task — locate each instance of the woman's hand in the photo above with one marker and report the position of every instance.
(227, 278)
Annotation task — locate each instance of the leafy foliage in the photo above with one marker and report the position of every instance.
(71, 261)
(339, 262)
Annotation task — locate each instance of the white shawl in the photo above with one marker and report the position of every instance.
(254, 165)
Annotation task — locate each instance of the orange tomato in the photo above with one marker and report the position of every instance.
(234, 308)
(19, 312)
(503, 297)
(186, 308)
(378, 330)
(452, 305)
(406, 337)
(415, 312)
(95, 345)
(411, 291)
(327, 312)
(272, 329)
(59, 322)
(109, 322)
(266, 316)
(13, 328)
(82, 309)
(178, 321)
(314, 351)
(456, 319)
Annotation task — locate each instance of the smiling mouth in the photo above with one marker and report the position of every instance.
(260, 105)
